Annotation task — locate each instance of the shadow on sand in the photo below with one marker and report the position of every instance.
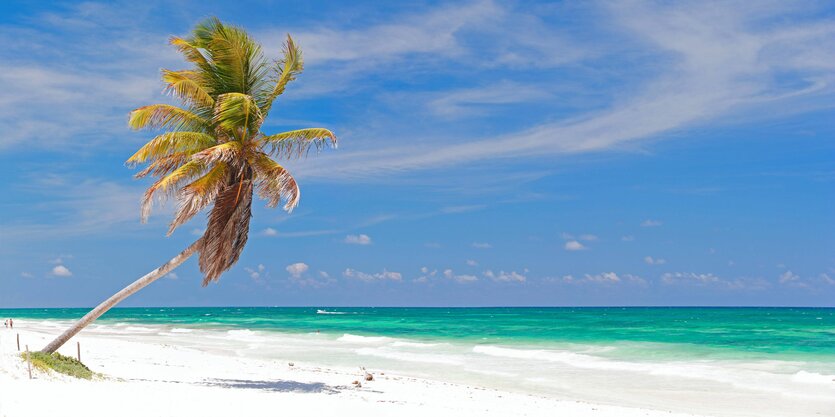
(278, 385)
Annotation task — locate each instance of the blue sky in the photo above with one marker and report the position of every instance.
(491, 153)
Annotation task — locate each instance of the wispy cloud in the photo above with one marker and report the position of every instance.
(73, 206)
(717, 61)
(482, 245)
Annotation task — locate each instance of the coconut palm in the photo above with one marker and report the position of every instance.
(212, 152)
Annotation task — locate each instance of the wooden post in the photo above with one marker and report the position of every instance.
(29, 361)
(18, 342)
(78, 345)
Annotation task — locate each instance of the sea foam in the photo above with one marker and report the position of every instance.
(352, 338)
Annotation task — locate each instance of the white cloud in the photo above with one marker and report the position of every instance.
(692, 277)
(25, 274)
(790, 278)
(426, 275)
(358, 239)
(608, 277)
(503, 276)
(471, 262)
(588, 237)
(573, 245)
(627, 238)
(651, 223)
(482, 245)
(197, 232)
(366, 277)
(256, 273)
(297, 269)
(172, 275)
(61, 271)
(269, 232)
(603, 278)
(654, 261)
(711, 280)
(462, 278)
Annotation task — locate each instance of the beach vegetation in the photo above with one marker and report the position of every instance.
(57, 362)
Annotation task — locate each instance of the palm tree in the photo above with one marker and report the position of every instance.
(212, 151)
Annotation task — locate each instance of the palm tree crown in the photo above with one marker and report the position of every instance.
(212, 151)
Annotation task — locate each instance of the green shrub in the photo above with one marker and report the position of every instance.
(59, 363)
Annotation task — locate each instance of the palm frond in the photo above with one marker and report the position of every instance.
(237, 113)
(170, 143)
(159, 116)
(188, 86)
(237, 60)
(225, 152)
(274, 183)
(187, 171)
(296, 143)
(164, 165)
(190, 51)
(199, 194)
(287, 68)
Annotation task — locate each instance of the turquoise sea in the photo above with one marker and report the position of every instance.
(790, 333)
(686, 359)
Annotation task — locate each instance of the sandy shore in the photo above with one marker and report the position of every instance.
(144, 379)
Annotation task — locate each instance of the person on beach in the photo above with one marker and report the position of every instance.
(11, 324)
(6, 323)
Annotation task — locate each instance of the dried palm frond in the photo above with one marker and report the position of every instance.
(274, 183)
(165, 184)
(199, 194)
(227, 230)
(225, 152)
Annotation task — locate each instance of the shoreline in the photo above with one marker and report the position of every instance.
(142, 379)
(238, 365)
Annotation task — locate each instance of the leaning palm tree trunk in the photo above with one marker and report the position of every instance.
(121, 295)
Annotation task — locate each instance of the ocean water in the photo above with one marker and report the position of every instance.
(710, 360)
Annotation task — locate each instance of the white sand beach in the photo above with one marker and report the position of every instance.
(152, 379)
(151, 370)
